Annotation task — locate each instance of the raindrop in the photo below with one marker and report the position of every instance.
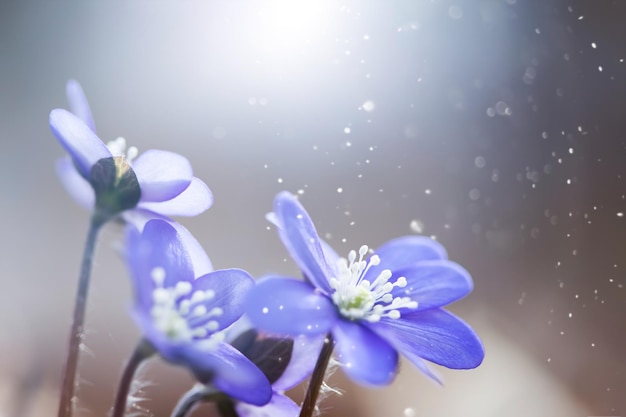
(417, 226)
(479, 161)
(368, 106)
(502, 108)
(346, 130)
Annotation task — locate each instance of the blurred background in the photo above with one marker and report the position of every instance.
(495, 126)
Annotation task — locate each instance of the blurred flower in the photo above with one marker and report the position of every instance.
(109, 178)
(285, 362)
(374, 306)
(182, 316)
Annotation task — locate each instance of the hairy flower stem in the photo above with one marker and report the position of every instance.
(142, 352)
(227, 409)
(317, 378)
(76, 334)
(198, 394)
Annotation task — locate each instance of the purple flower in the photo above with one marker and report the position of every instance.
(285, 361)
(182, 315)
(375, 306)
(109, 178)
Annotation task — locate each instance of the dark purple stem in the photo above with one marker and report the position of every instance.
(317, 378)
(68, 386)
(142, 352)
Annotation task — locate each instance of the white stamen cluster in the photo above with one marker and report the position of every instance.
(118, 147)
(359, 299)
(182, 314)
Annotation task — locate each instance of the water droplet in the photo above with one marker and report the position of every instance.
(502, 108)
(480, 162)
(409, 412)
(346, 130)
(368, 106)
(474, 194)
(417, 226)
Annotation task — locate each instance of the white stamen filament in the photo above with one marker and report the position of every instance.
(182, 315)
(118, 147)
(358, 298)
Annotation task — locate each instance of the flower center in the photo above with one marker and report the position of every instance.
(118, 147)
(358, 298)
(181, 314)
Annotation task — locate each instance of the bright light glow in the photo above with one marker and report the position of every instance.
(286, 22)
(285, 26)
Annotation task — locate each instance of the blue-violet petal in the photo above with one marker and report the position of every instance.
(301, 240)
(406, 251)
(194, 200)
(231, 286)
(162, 175)
(289, 306)
(79, 104)
(77, 187)
(279, 406)
(434, 283)
(363, 355)
(84, 147)
(435, 335)
(235, 375)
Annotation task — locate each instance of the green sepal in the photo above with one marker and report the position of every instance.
(115, 185)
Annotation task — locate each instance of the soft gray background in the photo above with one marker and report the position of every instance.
(497, 127)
